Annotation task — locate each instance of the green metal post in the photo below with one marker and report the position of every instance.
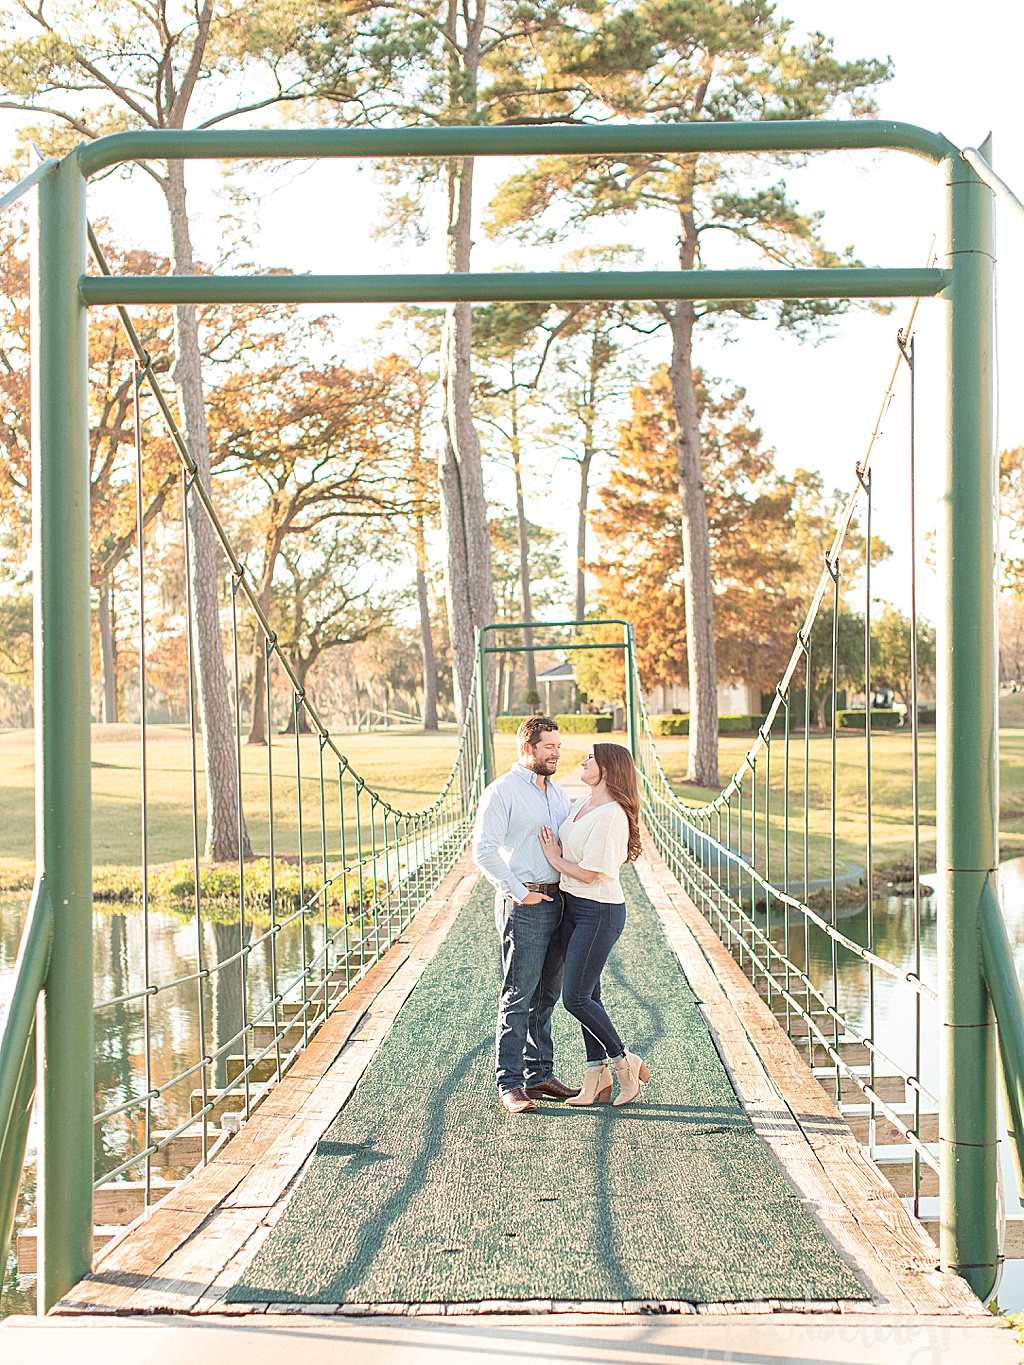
(967, 743)
(482, 708)
(632, 701)
(60, 529)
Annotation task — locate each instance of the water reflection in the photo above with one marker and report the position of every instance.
(175, 1036)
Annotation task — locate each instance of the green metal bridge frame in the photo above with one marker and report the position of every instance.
(56, 957)
(627, 644)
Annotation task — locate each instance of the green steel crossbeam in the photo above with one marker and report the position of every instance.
(556, 286)
(540, 649)
(620, 140)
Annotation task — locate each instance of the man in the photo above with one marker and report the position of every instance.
(527, 912)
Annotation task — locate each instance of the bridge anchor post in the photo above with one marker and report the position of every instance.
(967, 757)
(60, 534)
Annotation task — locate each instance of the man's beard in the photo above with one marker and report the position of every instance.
(543, 767)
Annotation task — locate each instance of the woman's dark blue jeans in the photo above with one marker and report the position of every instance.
(590, 930)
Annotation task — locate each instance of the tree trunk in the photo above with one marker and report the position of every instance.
(258, 726)
(470, 594)
(108, 654)
(426, 633)
(301, 667)
(702, 767)
(581, 530)
(223, 818)
(524, 558)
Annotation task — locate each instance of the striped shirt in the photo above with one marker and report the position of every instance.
(506, 838)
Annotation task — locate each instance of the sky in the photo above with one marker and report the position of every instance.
(816, 403)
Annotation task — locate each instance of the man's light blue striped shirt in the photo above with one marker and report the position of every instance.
(506, 838)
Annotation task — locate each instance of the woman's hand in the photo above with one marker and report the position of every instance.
(551, 845)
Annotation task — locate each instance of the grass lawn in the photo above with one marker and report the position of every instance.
(408, 770)
(891, 804)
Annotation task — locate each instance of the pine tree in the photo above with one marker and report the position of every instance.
(706, 60)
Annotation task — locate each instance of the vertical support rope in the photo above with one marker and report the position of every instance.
(864, 477)
(147, 978)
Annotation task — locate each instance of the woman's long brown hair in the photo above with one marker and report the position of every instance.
(619, 773)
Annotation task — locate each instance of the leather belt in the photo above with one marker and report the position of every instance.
(546, 888)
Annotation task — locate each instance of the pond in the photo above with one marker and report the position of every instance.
(176, 1017)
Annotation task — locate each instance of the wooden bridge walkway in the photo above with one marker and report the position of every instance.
(173, 1271)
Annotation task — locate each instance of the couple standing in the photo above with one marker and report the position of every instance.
(559, 909)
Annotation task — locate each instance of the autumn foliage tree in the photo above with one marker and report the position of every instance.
(641, 574)
(324, 444)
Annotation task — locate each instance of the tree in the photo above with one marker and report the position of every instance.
(544, 570)
(507, 340)
(145, 66)
(601, 674)
(641, 569)
(709, 60)
(15, 652)
(324, 443)
(847, 646)
(891, 659)
(1011, 512)
(589, 371)
(15, 398)
(112, 465)
(422, 338)
(321, 604)
(454, 64)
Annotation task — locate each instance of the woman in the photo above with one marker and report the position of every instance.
(601, 833)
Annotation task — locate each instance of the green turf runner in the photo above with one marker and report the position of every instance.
(424, 1191)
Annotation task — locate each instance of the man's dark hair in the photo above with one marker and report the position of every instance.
(531, 730)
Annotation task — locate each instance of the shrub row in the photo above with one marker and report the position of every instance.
(173, 888)
(727, 725)
(585, 724)
(880, 720)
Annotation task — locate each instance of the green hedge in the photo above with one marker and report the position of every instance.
(738, 725)
(880, 720)
(670, 725)
(727, 725)
(588, 723)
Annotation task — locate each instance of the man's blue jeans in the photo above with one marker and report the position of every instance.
(531, 980)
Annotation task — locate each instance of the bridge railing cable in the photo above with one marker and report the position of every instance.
(761, 860)
(364, 867)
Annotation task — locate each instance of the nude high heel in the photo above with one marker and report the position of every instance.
(633, 1075)
(597, 1087)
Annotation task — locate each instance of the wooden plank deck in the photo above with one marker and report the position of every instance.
(190, 1249)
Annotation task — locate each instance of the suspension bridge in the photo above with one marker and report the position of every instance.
(332, 1173)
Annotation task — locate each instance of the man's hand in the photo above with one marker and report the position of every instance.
(534, 898)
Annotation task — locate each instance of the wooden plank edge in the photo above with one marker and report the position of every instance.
(438, 913)
(921, 1282)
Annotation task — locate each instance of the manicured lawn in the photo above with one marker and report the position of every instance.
(408, 769)
(891, 802)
